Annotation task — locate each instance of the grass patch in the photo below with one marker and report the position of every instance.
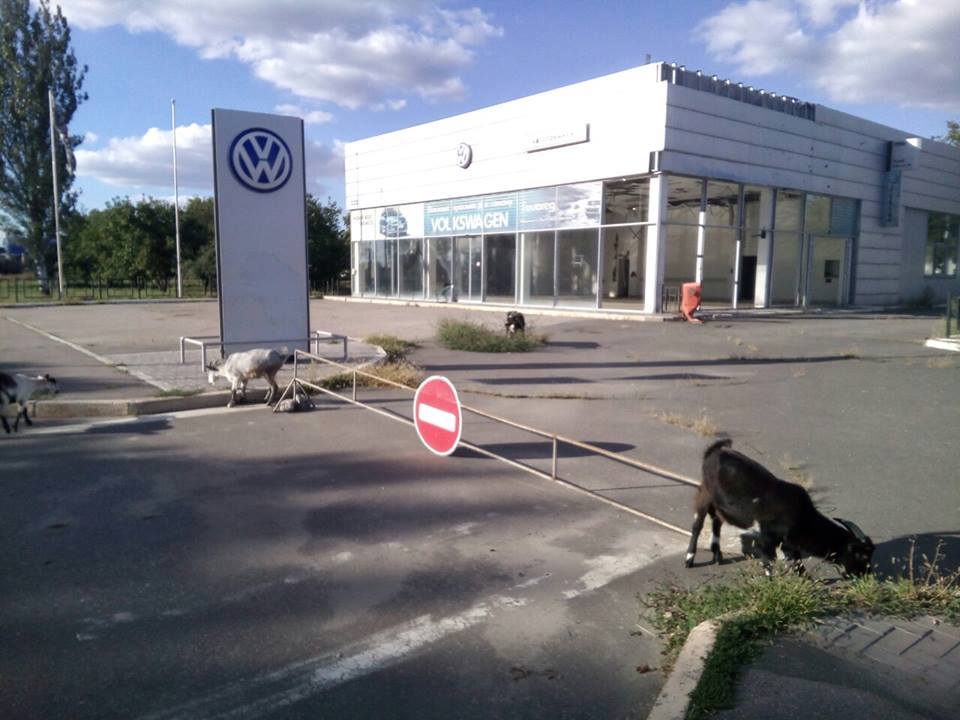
(476, 337)
(702, 425)
(395, 348)
(402, 372)
(177, 392)
(753, 608)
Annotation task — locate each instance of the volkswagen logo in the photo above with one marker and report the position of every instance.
(260, 160)
(464, 155)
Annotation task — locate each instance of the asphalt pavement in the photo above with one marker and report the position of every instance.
(240, 564)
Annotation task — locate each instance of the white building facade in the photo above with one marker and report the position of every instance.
(610, 193)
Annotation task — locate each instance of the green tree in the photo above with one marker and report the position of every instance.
(35, 57)
(328, 245)
(953, 134)
(198, 254)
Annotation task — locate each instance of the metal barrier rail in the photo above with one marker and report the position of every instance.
(296, 382)
(205, 341)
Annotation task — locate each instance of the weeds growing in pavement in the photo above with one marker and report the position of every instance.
(476, 337)
(395, 348)
(753, 608)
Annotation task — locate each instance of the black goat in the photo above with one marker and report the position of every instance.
(740, 491)
(516, 323)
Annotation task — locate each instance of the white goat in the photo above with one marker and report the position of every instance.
(17, 389)
(240, 367)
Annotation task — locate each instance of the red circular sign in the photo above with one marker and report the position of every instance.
(436, 414)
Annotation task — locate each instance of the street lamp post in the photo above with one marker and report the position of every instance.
(56, 192)
(176, 194)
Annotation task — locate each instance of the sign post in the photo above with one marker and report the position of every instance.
(261, 230)
(437, 415)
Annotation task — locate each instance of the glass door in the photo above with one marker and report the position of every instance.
(827, 270)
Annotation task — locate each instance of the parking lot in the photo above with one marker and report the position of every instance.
(244, 564)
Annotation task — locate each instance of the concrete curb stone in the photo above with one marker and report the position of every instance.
(674, 697)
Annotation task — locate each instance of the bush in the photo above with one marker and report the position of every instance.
(475, 337)
(395, 348)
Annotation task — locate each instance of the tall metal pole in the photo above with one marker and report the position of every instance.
(176, 193)
(56, 192)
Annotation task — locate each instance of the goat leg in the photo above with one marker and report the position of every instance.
(768, 549)
(25, 416)
(694, 536)
(715, 540)
(6, 425)
(795, 557)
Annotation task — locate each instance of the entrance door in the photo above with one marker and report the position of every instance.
(827, 271)
(748, 277)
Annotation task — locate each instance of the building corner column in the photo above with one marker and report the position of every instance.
(656, 238)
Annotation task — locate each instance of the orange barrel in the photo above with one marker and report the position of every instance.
(690, 299)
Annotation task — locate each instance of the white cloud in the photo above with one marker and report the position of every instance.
(310, 117)
(146, 161)
(888, 51)
(350, 52)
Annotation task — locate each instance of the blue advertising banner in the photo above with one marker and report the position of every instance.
(470, 216)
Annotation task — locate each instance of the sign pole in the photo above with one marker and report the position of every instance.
(56, 192)
(176, 194)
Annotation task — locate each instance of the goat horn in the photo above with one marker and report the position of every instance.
(852, 527)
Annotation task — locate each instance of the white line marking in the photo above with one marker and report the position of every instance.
(301, 680)
(435, 416)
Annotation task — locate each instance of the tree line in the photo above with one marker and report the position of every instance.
(128, 239)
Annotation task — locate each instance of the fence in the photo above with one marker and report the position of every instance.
(28, 289)
(297, 381)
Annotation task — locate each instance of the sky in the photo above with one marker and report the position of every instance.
(356, 68)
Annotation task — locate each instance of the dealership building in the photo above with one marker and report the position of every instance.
(609, 194)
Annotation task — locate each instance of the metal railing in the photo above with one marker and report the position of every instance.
(205, 341)
(297, 384)
(15, 290)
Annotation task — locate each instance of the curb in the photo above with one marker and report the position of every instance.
(674, 698)
(69, 409)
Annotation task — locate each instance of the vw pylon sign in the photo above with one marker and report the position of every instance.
(260, 160)
(261, 230)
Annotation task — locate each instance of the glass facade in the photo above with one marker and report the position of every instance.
(586, 245)
(943, 236)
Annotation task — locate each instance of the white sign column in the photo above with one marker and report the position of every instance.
(261, 230)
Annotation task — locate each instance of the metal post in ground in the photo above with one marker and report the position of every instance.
(949, 312)
(354, 385)
(553, 472)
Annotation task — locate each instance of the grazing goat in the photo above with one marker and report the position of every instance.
(516, 323)
(17, 389)
(240, 367)
(740, 491)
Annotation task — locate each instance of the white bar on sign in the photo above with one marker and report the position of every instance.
(435, 416)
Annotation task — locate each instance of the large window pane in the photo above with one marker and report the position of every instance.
(757, 204)
(500, 267)
(681, 255)
(789, 210)
(786, 267)
(723, 201)
(816, 219)
(719, 262)
(626, 201)
(386, 251)
(577, 267)
(538, 268)
(440, 269)
(943, 235)
(411, 268)
(365, 268)
(467, 265)
(624, 256)
(683, 200)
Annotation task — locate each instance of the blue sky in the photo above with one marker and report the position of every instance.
(355, 68)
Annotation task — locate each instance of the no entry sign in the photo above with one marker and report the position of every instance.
(436, 413)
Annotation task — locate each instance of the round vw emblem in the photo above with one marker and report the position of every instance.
(260, 160)
(464, 155)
